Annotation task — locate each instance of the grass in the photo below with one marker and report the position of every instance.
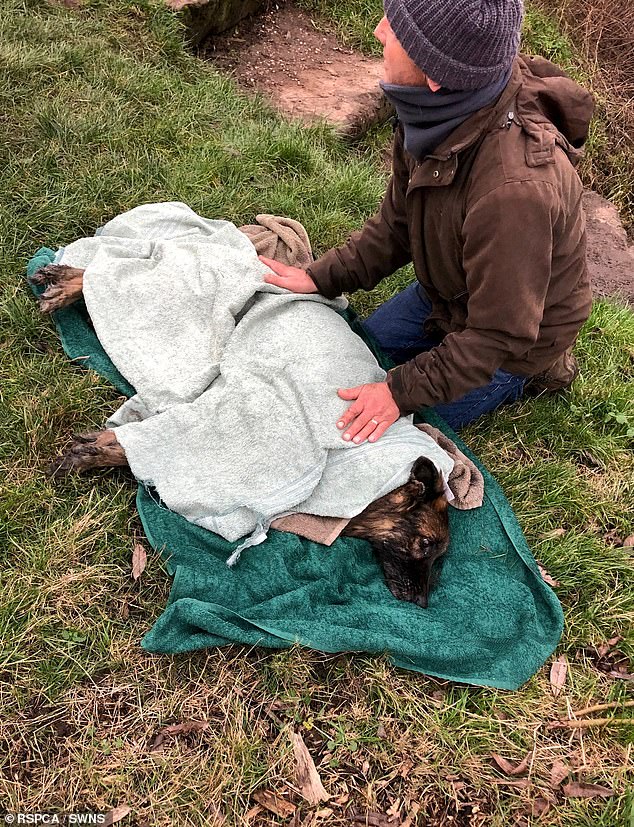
(103, 109)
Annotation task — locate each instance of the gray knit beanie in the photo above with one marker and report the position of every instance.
(461, 44)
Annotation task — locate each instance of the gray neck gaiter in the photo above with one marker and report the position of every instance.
(430, 117)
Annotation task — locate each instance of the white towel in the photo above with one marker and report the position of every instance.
(233, 422)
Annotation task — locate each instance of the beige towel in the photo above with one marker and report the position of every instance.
(281, 239)
(324, 530)
(465, 481)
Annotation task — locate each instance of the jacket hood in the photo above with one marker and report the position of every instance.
(549, 96)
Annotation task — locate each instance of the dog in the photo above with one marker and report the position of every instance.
(408, 528)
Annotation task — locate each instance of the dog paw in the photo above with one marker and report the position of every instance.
(94, 450)
(64, 285)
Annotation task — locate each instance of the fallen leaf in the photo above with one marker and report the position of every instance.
(614, 663)
(503, 764)
(381, 732)
(558, 672)
(613, 538)
(509, 768)
(621, 674)
(558, 772)
(604, 648)
(274, 803)
(590, 461)
(117, 814)
(373, 820)
(174, 730)
(629, 542)
(547, 578)
(253, 812)
(411, 815)
(395, 809)
(579, 789)
(405, 768)
(139, 560)
(306, 775)
(185, 728)
(540, 806)
(327, 811)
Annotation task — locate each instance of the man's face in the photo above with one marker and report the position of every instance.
(398, 67)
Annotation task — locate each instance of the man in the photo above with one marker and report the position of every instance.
(485, 201)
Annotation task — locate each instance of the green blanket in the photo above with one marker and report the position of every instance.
(491, 618)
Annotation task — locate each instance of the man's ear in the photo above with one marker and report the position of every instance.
(433, 85)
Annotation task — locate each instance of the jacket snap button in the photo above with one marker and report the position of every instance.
(436, 173)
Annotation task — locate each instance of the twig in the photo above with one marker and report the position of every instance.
(588, 722)
(599, 707)
(534, 750)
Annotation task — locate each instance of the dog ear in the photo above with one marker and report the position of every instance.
(425, 472)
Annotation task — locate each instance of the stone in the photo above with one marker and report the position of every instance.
(208, 17)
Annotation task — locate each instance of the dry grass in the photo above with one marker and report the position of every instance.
(603, 35)
(381, 738)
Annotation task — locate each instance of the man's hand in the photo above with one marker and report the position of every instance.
(291, 278)
(370, 415)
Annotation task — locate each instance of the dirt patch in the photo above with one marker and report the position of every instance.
(306, 73)
(610, 256)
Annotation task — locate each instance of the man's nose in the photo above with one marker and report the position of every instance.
(379, 32)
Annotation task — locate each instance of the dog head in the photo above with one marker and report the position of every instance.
(409, 530)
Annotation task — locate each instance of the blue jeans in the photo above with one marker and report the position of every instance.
(398, 328)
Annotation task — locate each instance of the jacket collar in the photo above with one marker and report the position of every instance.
(439, 168)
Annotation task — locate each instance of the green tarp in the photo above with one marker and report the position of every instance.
(491, 618)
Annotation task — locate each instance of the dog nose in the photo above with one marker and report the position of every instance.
(421, 600)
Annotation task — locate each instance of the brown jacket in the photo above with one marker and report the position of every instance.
(494, 225)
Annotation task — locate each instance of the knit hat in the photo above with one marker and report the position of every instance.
(461, 44)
